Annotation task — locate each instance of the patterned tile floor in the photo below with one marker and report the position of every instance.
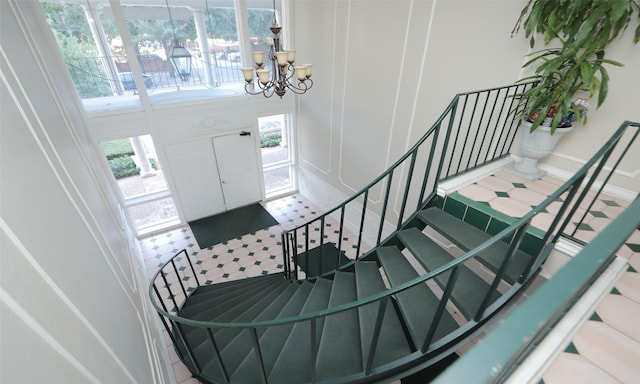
(251, 255)
(515, 197)
(608, 344)
(606, 348)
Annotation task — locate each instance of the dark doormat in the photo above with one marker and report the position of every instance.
(232, 224)
(317, 266)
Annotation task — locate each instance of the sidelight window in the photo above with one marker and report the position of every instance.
(136, 168)
(277, 155)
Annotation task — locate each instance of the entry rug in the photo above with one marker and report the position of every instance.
(232, 224)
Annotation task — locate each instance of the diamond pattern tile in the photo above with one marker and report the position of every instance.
(251, 255)
(259, 253)
(606, 347)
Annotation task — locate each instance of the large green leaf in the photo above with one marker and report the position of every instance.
(583, 29)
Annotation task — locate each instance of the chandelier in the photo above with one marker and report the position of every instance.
(283, 75)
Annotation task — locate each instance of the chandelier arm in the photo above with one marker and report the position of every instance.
(299, 89)
(302, 86)
(250, 89)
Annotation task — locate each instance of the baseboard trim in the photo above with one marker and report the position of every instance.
(471, 177)
(609, 189)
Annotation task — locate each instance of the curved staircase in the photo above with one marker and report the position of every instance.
(406, 305)
(431, 279)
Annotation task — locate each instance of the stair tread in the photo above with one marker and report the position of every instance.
(293, 363)
(467, 237)
(221, 288)
(272, 339)
(392, 343)
(215, 308)
(469, 290)
(225, 335)
(339, 350)
(241, 345)
(417, 317)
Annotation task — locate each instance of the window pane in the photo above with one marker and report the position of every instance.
(155, 31)
(153, 213)
(277, 180)
(277, 160)
(274, 140)
(209, 34)
(261, 38)
(93, 53)
(137, 171)
(225, 55)
(135, 166)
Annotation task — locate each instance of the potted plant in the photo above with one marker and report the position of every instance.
(574, 65)
(539, 143)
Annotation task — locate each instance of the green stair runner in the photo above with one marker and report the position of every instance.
(417, 317)
(467, 237)
(343, 343)
(392, 340)
(470, 288)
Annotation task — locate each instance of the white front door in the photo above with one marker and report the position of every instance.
(193, 166)
(238, 168)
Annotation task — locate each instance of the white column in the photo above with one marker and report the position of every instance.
(141, 157)
(103, 47)
(203, 42)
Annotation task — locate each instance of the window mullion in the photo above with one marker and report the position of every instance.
(242, 25)
(134, 64)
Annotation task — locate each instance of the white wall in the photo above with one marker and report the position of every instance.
(73, 295)
(74, 305)
(385, 69)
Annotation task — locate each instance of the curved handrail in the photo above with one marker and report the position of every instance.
(572, 184)
(496, 93)
(343, 307)
(515, 232)
(507, 346)
(467, 113)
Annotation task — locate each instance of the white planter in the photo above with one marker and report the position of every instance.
(535, 146)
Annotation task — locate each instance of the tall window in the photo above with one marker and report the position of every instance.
(93, 52)
(277, 155)
(99, 55)
(136, 168)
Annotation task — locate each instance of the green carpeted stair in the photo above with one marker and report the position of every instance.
(342, 346)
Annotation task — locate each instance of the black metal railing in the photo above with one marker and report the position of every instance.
(95, 77)
(593, 188)
(518, 335)
(172, 284)
(475, 129)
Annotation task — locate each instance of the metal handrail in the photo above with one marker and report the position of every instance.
(501, 351)
(441, 150)
(92, 80)
(572, 184)
(513, 234)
